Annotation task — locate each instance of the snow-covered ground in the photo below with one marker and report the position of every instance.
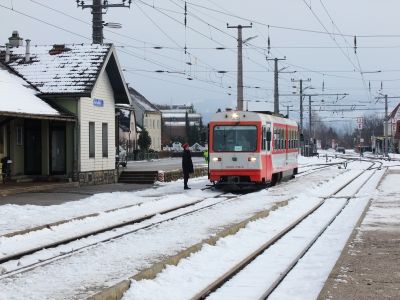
(193, 274)
(81, 275)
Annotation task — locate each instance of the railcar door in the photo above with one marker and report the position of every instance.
(268, 138)
(286, 145)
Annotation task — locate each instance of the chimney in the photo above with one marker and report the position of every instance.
(15, 40)
(58, 49)
(28, 53)
(7, 59)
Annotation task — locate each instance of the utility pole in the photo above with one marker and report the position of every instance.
(301, 101)
(309, 117)
(386, 125)
(276, 91)
(240, 65)
(287, 110)
(97, 7)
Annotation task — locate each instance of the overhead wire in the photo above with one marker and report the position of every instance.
(355, 52)
(61, 28)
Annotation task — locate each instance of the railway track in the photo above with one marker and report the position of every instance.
(318, 167)
(169, 215)
(45, 258)
(5, 258)
(360, 180)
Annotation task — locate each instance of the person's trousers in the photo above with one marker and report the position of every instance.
(185, 178)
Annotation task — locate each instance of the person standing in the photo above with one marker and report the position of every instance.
(187, 165)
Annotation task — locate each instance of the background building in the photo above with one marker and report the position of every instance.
(180, 123)
(147, 116)
(394, 128)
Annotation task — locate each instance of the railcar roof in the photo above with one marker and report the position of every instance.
(249, 116)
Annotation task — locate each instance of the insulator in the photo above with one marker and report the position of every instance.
(355, 44)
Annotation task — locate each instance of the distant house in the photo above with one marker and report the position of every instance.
(394, 127)
(128, 131)
(174, 121)
(147, 116)
(74, 136)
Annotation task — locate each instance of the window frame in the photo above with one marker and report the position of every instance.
(92, 139)
(104, 140)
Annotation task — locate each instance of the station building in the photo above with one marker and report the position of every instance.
(57, 110)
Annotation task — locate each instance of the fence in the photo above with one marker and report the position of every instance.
(138, 155)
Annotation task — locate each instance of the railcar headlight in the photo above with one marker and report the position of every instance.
(217, 159)
(252, 159)
(235, 116)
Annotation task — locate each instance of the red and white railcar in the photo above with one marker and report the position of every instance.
(251, 148)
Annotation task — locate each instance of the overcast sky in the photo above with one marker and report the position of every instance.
(307, 32)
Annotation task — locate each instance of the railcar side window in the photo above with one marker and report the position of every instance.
(291, 139)
(238, 138)
(269, 139)
(283, 138)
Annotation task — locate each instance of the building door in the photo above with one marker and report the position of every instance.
(33, 147)
(57, 149)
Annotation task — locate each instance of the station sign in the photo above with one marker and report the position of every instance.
(98, 102)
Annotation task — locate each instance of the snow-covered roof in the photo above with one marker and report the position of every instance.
(141, 100)
(17, 97)
(181, 115)
(180, 123)
(394, 112)
(61, 69)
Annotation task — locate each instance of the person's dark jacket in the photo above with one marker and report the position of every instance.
(187, 164)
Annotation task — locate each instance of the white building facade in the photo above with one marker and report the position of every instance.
(84, 83)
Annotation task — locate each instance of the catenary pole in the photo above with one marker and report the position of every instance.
(386, 125)
(276, 84)
(239, 65)
(301, 101)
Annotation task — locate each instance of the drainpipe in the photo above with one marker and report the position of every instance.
(28, 53)
(7, 59)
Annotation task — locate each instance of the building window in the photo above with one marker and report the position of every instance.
(2, 141)
(104, 134)
(91, 140)
(20, 136)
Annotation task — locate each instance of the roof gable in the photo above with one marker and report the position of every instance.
(393, 113)
(120, 88)
(142, 102)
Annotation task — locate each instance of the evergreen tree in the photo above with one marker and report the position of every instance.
(144, 140)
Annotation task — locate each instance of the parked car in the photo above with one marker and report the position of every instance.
(341, 149)
(121, 158)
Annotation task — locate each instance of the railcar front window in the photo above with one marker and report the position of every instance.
(235, 138)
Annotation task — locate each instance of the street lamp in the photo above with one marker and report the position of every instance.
(249, 39)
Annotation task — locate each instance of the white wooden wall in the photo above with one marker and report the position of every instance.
(106, 114)
(152, 123)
